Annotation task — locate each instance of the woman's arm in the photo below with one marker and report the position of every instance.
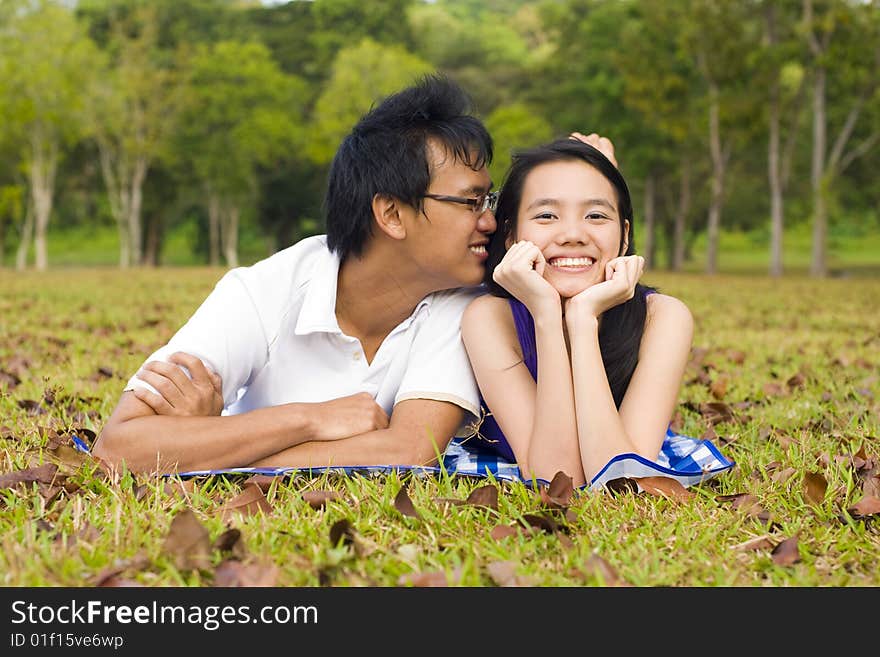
(537, 418)
(647, 407)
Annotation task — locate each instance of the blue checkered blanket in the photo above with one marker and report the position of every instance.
(685, 459)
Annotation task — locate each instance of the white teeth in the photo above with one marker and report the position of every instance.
(478, 249)
(571, 262)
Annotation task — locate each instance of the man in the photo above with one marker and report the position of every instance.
(345, 348)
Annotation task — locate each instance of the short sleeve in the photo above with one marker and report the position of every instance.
(438, 366)
(226, 333)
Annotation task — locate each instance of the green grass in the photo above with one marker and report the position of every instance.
(65, 331)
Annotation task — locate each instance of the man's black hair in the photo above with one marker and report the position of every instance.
(387, 153)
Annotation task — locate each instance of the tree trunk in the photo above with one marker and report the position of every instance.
(230, 235)
(650, 214)
(136, 196)
(153, 241)
(774, 168)
(684, 206)
(818, 264)
(43, 163)
(213, 230)
(718, 166)
(27, 235)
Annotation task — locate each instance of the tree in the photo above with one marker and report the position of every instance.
(835, 39)
(45, 62)
(361, 75)
(513, 127)
(241, 111)
(133, 108)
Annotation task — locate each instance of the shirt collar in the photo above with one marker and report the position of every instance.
(318, 312)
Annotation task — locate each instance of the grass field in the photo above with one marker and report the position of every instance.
(784, 379)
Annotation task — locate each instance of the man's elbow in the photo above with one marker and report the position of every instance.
(111, 449)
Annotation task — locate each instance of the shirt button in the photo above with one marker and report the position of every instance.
(356, 356)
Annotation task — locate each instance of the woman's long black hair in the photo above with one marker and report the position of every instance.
(621, 328)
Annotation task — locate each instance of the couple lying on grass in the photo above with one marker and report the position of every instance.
(432, 305)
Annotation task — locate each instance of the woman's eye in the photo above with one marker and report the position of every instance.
(545, 216)
(596, 216)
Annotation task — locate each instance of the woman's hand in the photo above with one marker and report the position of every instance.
(202, 395)
(621, 276)
(521, 272)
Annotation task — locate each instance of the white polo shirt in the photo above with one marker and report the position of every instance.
(270, 331)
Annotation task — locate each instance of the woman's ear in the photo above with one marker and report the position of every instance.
(387, 215)
(625, 245)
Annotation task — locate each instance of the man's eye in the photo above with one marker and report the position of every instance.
(545, 216)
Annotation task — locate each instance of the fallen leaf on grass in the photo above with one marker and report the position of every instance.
(43, 474)
(230, 541)
(188, 542)
(234, 573)
(486, 496)
(342, 532)
(503, 531)
(595, 567)
(759, 543)
(748, 504)
(560, 491)
(249, 501)
(404, 504)
(786, 553)
(621, 486)
(717, 412)
(263, 482)
(431, 579)
(665, 487)
(867, 506)
(503, 573)
(317, 499)
(783, 475)
(815, 486)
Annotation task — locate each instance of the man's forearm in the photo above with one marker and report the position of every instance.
(179, 444)
(382, 447)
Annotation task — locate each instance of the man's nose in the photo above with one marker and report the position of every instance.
(486, 222)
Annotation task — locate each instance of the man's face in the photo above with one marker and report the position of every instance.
(449, 239)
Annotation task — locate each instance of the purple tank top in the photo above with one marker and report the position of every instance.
(489, 434)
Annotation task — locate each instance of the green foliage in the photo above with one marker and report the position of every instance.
(513, 127)
(362, 75)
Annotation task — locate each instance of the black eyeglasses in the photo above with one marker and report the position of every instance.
(478, 204)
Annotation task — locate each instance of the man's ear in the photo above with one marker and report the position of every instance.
(387, 215)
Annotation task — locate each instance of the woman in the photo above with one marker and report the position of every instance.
(576, 361)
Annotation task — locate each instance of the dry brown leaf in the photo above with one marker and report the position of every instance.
(503, 531)
(264, 482)
(718, 387)
(317, 499)
(783, 475)
(44, 474)
(786, 553)
(486, 496)
(249, 501)
(503, 573)
(867, 506)
(431, 579)
(815, 486)
(403, 503)
(188, 542)
(542, 522)
(230, 541)
(597, 567)
(759, 543)
(665, 487)
(717, 412)
(342, 531)
(234, 573)
(560, 491)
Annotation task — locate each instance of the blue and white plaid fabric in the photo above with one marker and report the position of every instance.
(688, 460)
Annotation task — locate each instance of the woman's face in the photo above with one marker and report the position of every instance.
(569, 211)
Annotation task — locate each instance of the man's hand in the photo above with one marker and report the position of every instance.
(178, 394)
(346, 416)
(602, 144)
